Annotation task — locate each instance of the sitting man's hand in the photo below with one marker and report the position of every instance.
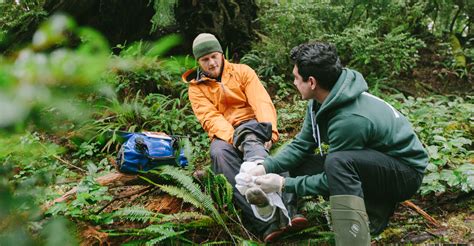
(270, 182)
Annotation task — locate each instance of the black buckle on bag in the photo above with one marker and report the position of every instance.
(140, 145)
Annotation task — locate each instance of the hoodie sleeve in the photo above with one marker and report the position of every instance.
(348, 132)
(295, 152)
(210, 118)
(259, 100)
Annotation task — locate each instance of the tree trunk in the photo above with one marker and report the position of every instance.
(120, 21)
(232, 22)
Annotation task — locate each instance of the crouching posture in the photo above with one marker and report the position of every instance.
(235, 110)
(374, 161)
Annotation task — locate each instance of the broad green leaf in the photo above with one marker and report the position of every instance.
(450, 177)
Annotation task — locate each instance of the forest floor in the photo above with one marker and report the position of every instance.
(453, 212)
(430, 76)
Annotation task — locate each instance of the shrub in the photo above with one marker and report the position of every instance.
(444, 125)
(367, 42)
(374, 56)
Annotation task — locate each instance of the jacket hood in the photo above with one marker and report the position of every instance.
(347, 88)
(193, 75)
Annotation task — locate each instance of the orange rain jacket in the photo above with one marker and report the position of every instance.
(221, 106)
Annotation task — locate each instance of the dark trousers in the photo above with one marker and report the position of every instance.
(371, 175)
(227, 160)
(381, 180)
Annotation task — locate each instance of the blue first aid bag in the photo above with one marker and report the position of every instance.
(147, 150)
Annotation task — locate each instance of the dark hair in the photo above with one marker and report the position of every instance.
(319, 60)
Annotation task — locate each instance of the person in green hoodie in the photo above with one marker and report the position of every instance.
(374, 161)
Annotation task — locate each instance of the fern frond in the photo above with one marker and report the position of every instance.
(183, 216)
(195, 192)
(181, 193)
(164, 232)
(190, 219)
(136, 214)
(228, 189)
(161, 229)
(187, 182)
(189, 192)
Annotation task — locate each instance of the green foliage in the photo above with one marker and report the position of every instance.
(381, 39)
(160, 227)
(189, 192)
(149, 71)
(27, 167)
(153, 234)
(220, 189)
(31, 156)
(154, 112)
(182, 219)
(374, 56)
(88, 200)
(59, 231)
(449, 17)
(444, 125)
(317, 209)
(164, 14)
(222, 193)
(17, 19)
(136, 214)
(39, 85)
(47, 82)
(269, 56)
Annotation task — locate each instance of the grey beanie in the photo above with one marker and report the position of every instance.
(204, 44)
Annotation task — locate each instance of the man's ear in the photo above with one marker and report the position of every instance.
(313, 82)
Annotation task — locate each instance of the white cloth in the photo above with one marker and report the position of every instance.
(245, 181)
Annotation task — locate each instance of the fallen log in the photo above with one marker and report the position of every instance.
(420, 211)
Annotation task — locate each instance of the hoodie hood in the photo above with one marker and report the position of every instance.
(347, 88)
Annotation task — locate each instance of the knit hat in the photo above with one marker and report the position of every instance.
(204, 44)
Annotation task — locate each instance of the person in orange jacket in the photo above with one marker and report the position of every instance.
(225, 97)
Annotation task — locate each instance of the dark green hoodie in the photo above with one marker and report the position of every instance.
(348, 119)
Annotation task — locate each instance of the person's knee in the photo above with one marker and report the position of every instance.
(336, 163)
(220, 148)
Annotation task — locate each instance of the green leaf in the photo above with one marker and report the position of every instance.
(439, 138)
(449, 177)
(431, 178)
(459, 142)
(433, 151)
